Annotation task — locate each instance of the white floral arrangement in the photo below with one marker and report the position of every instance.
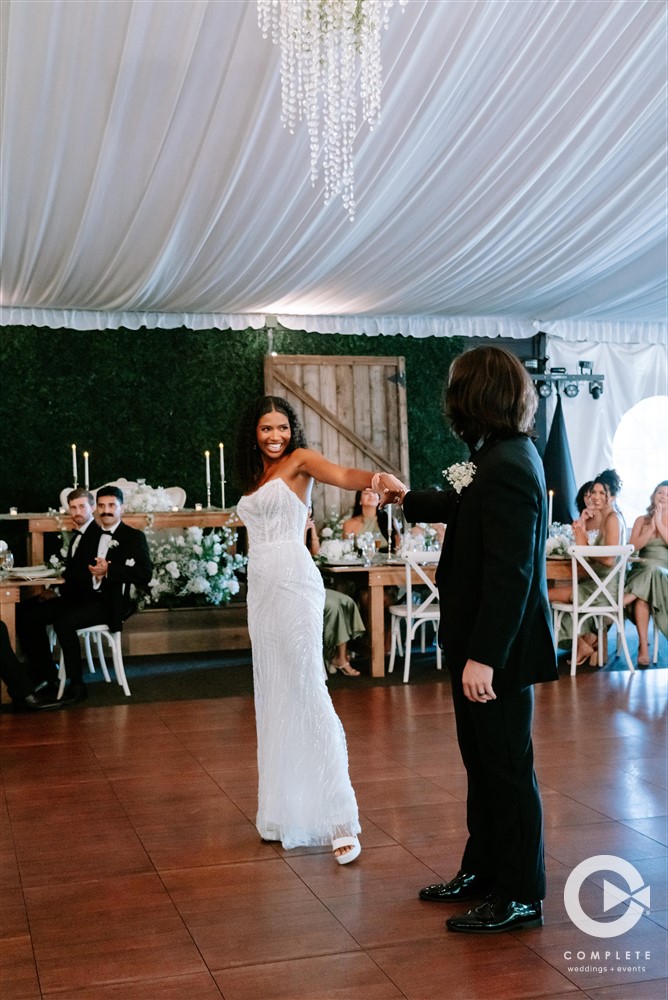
(426, 540)
(57, 560)
(333, 526)
(460, 475)
(145, 499)
(192, 567)
(559, 538)
(335, 549)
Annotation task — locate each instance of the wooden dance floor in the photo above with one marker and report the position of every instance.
(131, 869)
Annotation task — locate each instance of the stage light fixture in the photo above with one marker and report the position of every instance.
(586, 367)
(595, 389)
(544, 389)
(571, 389)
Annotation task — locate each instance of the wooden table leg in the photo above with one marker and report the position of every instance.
(9, 598)
(377, 627)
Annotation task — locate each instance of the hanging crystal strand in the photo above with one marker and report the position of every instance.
(320, 42)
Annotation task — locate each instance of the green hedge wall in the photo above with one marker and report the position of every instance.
(148, 403)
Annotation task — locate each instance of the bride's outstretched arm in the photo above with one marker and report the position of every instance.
(314, 464)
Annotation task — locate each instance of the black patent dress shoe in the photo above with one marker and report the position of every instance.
(496, 915)
(465, 885)
(73, 694)
(34, 703)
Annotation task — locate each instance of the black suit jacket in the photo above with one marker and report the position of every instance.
(129, 563)
(491, 574)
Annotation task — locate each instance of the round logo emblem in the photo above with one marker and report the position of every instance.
(637, 896)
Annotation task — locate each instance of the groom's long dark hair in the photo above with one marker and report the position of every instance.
(249, 459)
(489, 394)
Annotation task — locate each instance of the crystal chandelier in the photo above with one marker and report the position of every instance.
(320, 41)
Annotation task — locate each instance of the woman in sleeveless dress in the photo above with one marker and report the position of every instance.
(647, 583)
(305, 797)
(600, 523)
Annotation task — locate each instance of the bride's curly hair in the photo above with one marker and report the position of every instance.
(248, 457)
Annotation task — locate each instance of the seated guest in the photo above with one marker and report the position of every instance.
(647, 583)
(342, 621)
(366, 517)
(611, 479)
(21, 689)
(103, 560)
(583, 495)
(599, 524)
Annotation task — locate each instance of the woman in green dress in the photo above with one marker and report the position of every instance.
(647, 583)
(600, 523)
(342, 621)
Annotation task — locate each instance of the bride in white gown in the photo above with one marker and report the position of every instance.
(305, 797)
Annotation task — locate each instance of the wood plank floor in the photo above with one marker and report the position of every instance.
(131, 869)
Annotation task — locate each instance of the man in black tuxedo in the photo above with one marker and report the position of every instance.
(496, 635)
(104, 559)
(19, 686)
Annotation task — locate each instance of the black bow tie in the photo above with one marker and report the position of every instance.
(76, 532)
(107, 532)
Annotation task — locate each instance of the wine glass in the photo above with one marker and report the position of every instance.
(368, 550)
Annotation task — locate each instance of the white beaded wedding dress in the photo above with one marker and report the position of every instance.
(305, 797)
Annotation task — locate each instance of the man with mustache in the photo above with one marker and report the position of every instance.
(104, 559)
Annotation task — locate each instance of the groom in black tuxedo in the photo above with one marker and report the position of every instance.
(496, 635)
(104, 559)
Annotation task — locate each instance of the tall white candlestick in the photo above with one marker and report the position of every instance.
(389, 528)
(75, 471)
(86, 482)
(222, 474)
(550, 499)
(208, 469)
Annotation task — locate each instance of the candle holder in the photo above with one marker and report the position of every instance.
(208, 495)
(198, 506)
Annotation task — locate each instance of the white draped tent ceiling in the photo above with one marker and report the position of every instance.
(516, 181)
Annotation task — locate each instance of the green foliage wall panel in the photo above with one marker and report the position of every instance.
(146, 404)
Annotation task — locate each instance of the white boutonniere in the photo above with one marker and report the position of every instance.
(460, 475)
(112, 544)
(129, 562)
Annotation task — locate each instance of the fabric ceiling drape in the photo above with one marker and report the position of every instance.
(517, 175)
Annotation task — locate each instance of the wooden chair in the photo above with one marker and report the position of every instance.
(605, 603)
(415, 613)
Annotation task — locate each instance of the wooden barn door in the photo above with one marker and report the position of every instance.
(353, 410)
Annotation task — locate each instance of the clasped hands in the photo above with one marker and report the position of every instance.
(99, 568)
(388, 487)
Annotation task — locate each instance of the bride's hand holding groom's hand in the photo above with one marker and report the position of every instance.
(389, 488)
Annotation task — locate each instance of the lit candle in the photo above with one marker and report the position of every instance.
(75, 471)
(222, 474)
(550, 500)
(13, 511)
(86, 482)
(208, 469)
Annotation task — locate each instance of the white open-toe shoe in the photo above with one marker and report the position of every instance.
(352, 842)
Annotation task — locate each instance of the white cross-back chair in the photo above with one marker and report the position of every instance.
(113, 639)
(415, 613)
(605, 603)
